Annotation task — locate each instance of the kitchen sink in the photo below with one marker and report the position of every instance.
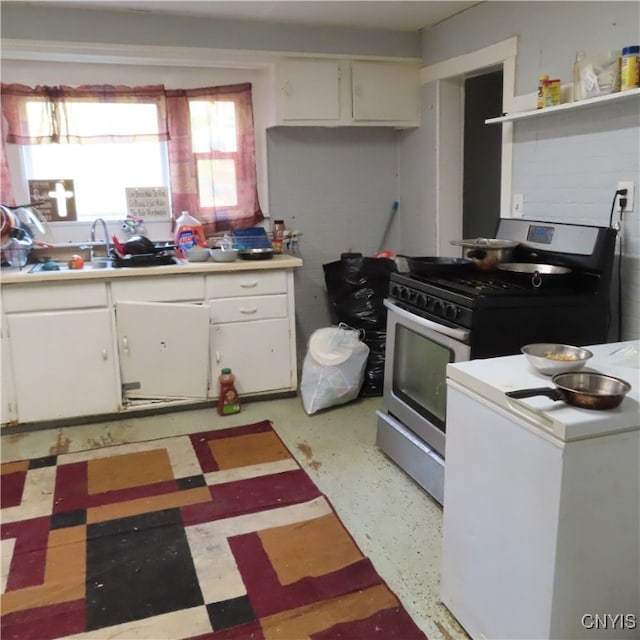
(63, 266)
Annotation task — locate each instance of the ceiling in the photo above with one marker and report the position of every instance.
(397, 15)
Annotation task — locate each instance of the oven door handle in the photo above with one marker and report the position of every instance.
(458, 334)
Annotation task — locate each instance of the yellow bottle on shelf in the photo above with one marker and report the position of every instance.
(542, 80)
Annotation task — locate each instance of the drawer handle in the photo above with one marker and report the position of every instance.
(105, 355)
(249, 285)
(250, 311)
(125, 345)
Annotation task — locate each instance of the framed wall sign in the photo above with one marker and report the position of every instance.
(57, 197)
(148, 203)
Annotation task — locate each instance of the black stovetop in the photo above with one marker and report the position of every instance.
(474, 288)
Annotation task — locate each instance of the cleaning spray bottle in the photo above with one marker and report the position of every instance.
(189, 233)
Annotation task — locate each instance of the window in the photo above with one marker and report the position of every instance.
(213, 129)
(100, 172)
(197, 143)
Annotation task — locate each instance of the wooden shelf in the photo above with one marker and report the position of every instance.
(581, 104)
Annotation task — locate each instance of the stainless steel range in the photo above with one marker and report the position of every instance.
(464, 313)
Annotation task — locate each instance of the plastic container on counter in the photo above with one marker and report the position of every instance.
(189, 233)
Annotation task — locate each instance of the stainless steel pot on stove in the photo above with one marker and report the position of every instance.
(487, 253)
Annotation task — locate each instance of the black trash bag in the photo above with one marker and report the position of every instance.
(374, 369)
(356, 287)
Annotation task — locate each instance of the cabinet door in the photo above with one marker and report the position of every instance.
(64, 364)
(163, 349)
(384, 91)
(8, 398)
(309, 90)
(257, 352)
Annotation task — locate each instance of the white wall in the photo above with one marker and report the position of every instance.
(567, 166)
(337, 187)
(39, 22)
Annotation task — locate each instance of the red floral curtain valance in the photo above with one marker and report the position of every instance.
(56, 114)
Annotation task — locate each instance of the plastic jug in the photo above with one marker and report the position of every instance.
(189, 232)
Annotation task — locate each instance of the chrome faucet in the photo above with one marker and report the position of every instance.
(107, 244)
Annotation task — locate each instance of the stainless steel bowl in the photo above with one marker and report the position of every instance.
(549, 358)
(196, 254)
(224, 255)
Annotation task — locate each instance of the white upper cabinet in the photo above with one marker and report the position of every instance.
(386, 92)
(332, 92)
(309, 90)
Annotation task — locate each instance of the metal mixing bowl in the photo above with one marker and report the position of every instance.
(549, 358)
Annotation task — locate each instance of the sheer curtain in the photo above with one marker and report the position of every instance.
(209, 131)
(212, 171)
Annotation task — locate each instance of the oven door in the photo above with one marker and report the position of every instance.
(415, 377)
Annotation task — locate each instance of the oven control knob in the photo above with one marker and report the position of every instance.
(404, 293)
(420, 301)
(451, 311)
(429, 302)
(395, 291)
(438, 307)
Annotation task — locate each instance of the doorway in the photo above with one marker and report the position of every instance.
(450, 76)
(482, 156)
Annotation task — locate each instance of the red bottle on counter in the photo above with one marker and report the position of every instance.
(229, 401)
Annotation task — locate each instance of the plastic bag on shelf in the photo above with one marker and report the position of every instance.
(333, 368)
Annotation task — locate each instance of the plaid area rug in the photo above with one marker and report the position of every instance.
(213, 535)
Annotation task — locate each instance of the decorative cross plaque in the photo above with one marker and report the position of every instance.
(58, 198)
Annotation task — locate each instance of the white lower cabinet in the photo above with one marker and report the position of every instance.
(99, 346)
(8, 408)
(257, 352)
(163, 349)
(64, 364)
(252, 331)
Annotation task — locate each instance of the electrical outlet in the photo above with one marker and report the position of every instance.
(517, 205)
(629, 187)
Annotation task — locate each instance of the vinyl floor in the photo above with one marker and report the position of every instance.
(394, 522)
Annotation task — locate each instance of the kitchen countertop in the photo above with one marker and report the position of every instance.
(16, 276)
(490, 378)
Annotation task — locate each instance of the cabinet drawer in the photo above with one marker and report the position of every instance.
(159, 289)
(249, 308)
(54, 296)
(252, 283)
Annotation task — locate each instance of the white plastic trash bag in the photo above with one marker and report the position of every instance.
(333, 369)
